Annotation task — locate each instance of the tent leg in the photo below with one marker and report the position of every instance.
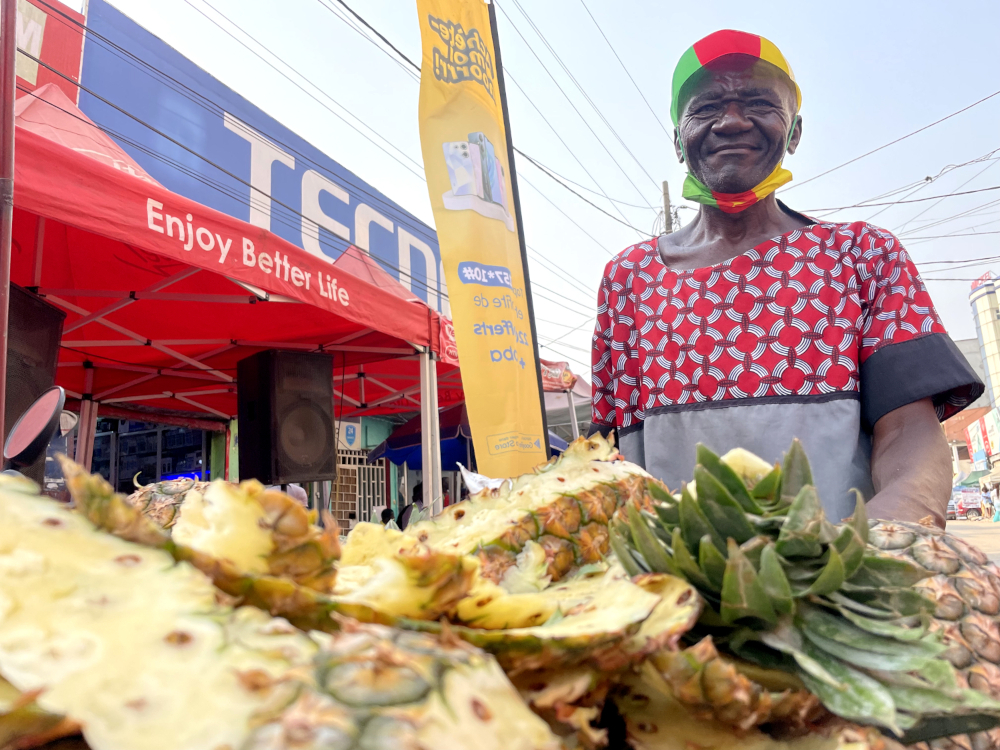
(87, 428)
(572, 415)
(8, 53)
(86, 433)
(430, 434)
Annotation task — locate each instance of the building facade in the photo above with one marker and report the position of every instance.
(986, 313)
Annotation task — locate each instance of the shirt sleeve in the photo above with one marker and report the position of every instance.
(602, 370)
(906, 354)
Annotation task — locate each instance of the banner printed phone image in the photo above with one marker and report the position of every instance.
(465, 168)
(491, 178)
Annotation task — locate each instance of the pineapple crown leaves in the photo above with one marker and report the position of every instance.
(784, 588)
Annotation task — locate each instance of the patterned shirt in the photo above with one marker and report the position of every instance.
(822, 331)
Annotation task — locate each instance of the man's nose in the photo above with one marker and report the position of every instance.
(732, 120)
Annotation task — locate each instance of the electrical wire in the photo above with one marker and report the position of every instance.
(361, 189)
(934, 205)
(892, 143)
(419, 174)
(572, 105)
(949, 236)
(417, 68)
(580, 88)
(893, 203)
(275, 215)
(210, 106)
(585, 200)
(615, 53)
(528, 182)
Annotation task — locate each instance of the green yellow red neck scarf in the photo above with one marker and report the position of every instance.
(700, 54)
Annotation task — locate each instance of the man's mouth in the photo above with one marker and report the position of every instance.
(734, 148)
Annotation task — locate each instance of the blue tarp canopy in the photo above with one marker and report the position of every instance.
(403, 445)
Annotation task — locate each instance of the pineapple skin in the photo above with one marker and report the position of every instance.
(565, 506)
(161, 501)
(965, 588)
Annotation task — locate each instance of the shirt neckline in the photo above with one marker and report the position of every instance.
(774, 240)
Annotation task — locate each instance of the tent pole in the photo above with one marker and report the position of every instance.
(430, 434)
(572, 414)
(438, 487)
(8, 52)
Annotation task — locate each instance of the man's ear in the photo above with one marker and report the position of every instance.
(678, 149)
(793, 142)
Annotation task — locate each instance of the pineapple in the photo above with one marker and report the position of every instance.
(787, 590)
(135, 649)
(564, 506)
(162, 501)
(966, 590)
(655, 720)
(227, 530)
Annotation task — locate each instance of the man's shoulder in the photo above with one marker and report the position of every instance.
(632, 256)
(861, 233)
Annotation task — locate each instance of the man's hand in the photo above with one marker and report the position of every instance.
(911, 465)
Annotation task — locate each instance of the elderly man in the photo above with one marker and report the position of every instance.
(755, 324)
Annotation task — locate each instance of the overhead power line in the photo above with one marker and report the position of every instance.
(417, 69)
(276, 215)
(572, 105)
(583, 91)
(615, 53)
(893, 203)
(892, 143)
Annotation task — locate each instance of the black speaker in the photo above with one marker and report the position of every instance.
(33, 335)
(286, 425)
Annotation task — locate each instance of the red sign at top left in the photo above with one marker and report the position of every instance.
(53, 34)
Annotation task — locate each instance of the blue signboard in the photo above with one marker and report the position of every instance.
(301, 194)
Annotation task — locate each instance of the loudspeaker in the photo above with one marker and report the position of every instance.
(33, 335)
(285, 402)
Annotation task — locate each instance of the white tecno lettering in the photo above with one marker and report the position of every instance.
(364, 217)
(313, 183)
(263, 154)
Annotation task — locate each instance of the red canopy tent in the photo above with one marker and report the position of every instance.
(164, 295)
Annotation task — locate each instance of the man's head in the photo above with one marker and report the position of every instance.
(735, 106)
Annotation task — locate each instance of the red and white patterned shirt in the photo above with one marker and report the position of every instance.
(793, 320)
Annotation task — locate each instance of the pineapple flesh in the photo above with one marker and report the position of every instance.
(229, 531)
(162, 501)
(136, 649)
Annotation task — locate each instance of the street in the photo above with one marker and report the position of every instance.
(983, 534)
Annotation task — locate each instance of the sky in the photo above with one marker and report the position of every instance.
(870, 72)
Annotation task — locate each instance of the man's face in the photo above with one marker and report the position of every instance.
(734, 122)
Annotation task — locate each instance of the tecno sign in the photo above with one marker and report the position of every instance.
(298, 192)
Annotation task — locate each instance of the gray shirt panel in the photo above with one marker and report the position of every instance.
(839, 450)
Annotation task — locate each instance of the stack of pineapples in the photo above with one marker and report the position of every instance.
(579, 606)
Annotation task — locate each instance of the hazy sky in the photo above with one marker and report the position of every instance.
(870, 72)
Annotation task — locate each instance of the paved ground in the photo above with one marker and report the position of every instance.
(983, 534)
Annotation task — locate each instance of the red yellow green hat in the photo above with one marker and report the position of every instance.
(720, 44)
(702, 53)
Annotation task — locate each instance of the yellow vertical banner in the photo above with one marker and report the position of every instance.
(473, 193)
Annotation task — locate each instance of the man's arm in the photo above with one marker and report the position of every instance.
(911, 465)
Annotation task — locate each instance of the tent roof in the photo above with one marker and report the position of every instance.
(164, 296)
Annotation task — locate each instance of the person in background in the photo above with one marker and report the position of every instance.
(386, 515)
(446, 489)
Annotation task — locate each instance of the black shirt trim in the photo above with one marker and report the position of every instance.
(930, 366)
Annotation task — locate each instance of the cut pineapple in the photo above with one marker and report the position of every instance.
(564, 506)
(135, 649)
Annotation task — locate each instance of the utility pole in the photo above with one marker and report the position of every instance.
(668, 219)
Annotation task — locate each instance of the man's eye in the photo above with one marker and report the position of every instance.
(761, 103)
(706, 109)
